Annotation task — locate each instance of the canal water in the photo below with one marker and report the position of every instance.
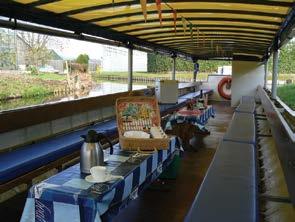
(99, 89)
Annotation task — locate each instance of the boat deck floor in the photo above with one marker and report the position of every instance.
(165, 200)
(171, 201)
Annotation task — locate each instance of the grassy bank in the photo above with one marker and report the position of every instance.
(200, 76)
(186, 75)
(283, 77)
(26, 86)
(51, 76)
(287, 95)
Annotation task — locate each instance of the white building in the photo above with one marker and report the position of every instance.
(115, 59)
(224, 70)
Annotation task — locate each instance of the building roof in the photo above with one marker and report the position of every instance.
(55, 55)
(243, 29)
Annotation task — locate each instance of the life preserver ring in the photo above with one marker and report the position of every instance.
(224, 88)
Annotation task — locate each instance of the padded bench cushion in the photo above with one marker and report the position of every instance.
(171, 107)
(228, 192)
(241, 128)
(246, 108)
(247, 99)
(30, 157)
(195, 94)
(247, 105)
(181, 101)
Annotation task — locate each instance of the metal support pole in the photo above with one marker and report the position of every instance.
(265, 73)
(196, 69)
(195, 77)
(275, 73)
(130, 68)
(173, 76)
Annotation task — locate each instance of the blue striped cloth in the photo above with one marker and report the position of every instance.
(67, 196)
(199, 120)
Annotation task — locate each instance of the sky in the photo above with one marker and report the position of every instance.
(71, 48)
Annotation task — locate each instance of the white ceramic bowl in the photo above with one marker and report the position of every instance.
(136, 134)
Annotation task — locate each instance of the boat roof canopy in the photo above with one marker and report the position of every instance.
(220, 29)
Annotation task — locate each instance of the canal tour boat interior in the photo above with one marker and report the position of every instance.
(216, 150)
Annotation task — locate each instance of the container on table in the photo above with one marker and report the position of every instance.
(139, 113)
(167, 91)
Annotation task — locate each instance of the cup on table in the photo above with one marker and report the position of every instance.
(99, 172)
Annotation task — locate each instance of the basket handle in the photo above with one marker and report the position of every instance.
(146, 151)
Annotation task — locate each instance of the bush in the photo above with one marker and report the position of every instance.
(82, 59)
(33, 70)
(77, 67)
(35, 91)
(160, 63)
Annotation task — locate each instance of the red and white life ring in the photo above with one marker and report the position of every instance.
(224, 88)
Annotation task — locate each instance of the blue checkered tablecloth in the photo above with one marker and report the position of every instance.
(199, 120)
(67, 196)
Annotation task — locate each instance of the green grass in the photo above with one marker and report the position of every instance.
(187, 75)
(35, 90)
(287, 95)
(50, 76)
(26, 86)
(283, 77)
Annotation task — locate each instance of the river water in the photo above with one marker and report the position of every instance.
(102, 88)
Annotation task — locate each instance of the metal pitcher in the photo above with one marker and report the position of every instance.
(92, 151)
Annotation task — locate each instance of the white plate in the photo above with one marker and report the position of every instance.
(136, 134)
(90, 179)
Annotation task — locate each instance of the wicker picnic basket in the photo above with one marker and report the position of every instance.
(139, 113)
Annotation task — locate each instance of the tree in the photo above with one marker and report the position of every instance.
(286, 59)
(7, 49)
(37, 52)
(83, 59)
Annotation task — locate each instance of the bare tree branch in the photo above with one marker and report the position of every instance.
(38, 47)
